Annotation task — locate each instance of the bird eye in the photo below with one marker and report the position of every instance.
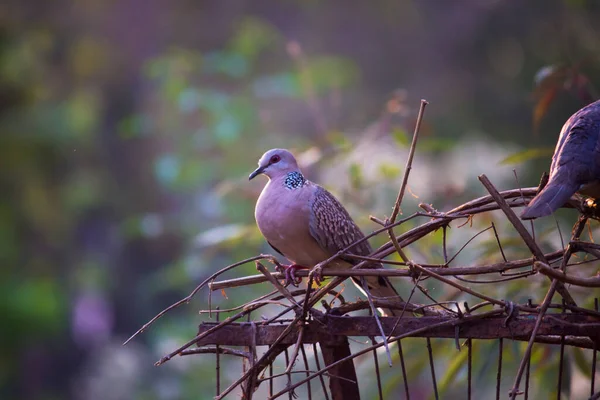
(275, 159)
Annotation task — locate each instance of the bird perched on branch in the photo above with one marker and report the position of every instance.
(307, 224)
(575, 165)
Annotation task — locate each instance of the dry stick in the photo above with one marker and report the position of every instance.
(582, 325)
(247, 310)
(498, 241)
(563, 277)
(218, 362)
(301, 329)
(459, 286)
(199, 337)
(307, 296)
(524, 361)
(296, 349)
(217, 350)
(318, 364)
(555, 286)
(412, 292)
(286, 293)
(403, 307)
(408, 167)
(437, 268)
(540, 187)
(306, 371)
(454, 322)
(257, 300)
(467, 243)
(444, 246)
(377, 320)
(466, 210)
(401, 253)
(305, 359)
(264, 357)
(512, 277)
(531, 244)
(200, 286)
(544, 307)
(315, 298)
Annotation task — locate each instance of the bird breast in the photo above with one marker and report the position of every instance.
(282, 215)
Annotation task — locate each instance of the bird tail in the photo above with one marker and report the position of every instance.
(381, 287)
(552, 197)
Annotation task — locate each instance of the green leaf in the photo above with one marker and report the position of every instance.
(327, 72)
(436, 144)
(400, 136)
(581, 362)
(339, 140)
(389, 171)
(253, 36)
(527, 155)
(452, 370)
(356, 176)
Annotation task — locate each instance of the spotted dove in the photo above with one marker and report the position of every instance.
(575, 165)
(307, 224)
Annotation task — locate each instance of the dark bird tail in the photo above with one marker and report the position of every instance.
(381, 287)
(552, 197)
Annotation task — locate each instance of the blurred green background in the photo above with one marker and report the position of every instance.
(128, 129)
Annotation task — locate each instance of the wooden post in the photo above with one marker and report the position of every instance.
(341, 389)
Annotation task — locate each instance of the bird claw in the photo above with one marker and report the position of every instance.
(290, 273)
(316, 274)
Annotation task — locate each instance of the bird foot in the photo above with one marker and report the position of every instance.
(316, 274)
(591, 208)
(290, 273)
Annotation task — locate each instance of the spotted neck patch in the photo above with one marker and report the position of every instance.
(294, 180)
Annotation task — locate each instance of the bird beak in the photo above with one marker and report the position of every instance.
(256, 172)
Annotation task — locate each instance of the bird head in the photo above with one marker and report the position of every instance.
(275, 163)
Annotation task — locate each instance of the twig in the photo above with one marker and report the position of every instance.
(458, 286)
(467, 243)
(545, 304)
(515, 389)
(274, 347)
(204, 334)
(377, 320)
(498, 241)
(561, 276)
(217, 350)
(285, 293)
(454, 322)
(516, 222)
(304, 372)
(437, 268)
(408, 167)
(200, 286)
(257, 300)
(296, 349)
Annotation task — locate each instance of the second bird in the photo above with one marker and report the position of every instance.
(307, 224)
(575, 165)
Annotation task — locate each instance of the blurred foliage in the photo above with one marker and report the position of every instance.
(527, 155)
(128, 131)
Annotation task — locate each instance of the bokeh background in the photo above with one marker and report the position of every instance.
(128, 129)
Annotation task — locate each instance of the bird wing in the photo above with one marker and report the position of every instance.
(577, 154)
(334, 230)
(575, 163)
(332, 227)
